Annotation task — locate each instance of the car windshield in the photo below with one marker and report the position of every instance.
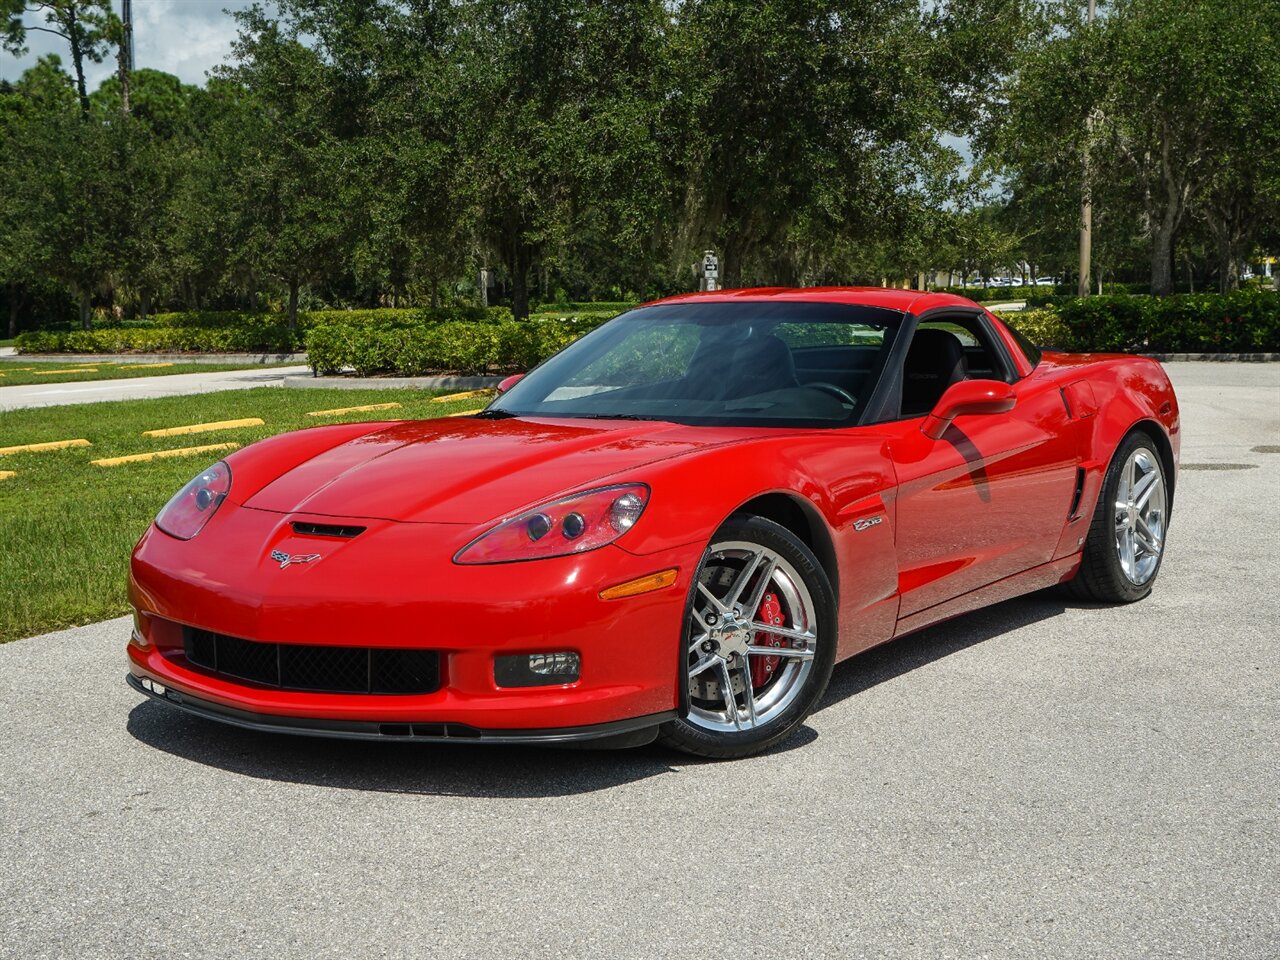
(745, 363)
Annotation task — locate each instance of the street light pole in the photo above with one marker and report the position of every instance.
(126, 51)
(1086, 203)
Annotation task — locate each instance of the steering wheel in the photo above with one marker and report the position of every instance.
(838, 392)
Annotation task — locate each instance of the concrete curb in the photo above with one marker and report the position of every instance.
(88, 358)
(304, 382)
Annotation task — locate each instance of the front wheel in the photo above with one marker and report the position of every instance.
(759, 643)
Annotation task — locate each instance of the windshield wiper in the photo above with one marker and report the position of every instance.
(612, 416)
(495, 414)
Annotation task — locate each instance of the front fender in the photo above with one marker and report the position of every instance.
(843, 477)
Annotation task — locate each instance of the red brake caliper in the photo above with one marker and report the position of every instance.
(763, 668)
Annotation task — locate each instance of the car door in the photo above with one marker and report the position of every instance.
(991, 497)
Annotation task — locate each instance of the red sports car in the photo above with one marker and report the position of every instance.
(672, 529)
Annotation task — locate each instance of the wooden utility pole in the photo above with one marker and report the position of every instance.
(1086, 203)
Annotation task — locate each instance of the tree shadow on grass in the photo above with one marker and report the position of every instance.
(472, 770)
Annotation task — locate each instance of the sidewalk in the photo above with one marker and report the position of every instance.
(142, 388)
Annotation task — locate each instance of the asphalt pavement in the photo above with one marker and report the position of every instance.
(1040, 779)
(141, 388)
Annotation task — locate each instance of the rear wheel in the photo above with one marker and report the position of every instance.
(1125, 545)
(759, 642)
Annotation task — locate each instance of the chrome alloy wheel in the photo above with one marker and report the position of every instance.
(1140, 515)
(751, 639)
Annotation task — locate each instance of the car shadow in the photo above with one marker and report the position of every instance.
(897, 657)
(530, 772)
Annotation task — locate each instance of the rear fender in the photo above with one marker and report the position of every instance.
(1130, 393)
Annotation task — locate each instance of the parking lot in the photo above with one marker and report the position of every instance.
(1043, 778)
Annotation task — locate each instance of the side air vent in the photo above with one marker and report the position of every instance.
(1075, 500)
(327, 530)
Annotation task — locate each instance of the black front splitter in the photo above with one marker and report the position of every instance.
(619, 734)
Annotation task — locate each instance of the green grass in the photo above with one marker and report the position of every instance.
(67, 527)
(17, 373)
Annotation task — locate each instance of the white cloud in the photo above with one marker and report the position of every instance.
(183, 37)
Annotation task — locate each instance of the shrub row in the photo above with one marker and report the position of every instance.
(997, 294)
(237, 332)
(467, 348)
(1043, 327)
(1243, 322)
(313, 318)
(246, 339)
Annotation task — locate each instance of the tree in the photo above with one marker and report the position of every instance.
(88, 26)
(1167, 98)
(811, 124)
(286, 164)
(559, 106)
(57, 197)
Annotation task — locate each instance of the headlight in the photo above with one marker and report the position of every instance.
(191, 507)
(573, 524)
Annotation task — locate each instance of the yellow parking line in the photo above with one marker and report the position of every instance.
(41, 447)
(341, 410)
(50, 373)
(465, 413)
(204, 427)
(448, 397)
(6, 474)
(144, 366)
(160, 454)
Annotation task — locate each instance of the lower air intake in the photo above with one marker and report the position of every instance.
(291, 666)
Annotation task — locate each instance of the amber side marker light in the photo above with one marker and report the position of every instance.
(645, 584)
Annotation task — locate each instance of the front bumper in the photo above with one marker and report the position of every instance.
(381, 590)
(634, 732)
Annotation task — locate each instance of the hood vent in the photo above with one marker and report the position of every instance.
(342, 531)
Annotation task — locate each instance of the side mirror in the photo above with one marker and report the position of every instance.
(966, 398)
(510, 382)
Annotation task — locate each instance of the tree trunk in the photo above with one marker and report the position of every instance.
(13, 314)
(1162, 257)
(75, 36)
(519, 289)
(1228, 266)
(86, 321)
(293, 304)
(144, 303)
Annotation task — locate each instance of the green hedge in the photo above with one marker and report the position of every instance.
(238, 332)
(1043, 327)
(247, 339)
(997, 294)
(1243, 322)
(457, 347)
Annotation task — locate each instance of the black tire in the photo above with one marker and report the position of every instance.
(687, 736)
(1101, 577)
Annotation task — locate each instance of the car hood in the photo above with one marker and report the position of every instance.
(473, 470)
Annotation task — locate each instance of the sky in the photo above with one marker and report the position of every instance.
(182, 37)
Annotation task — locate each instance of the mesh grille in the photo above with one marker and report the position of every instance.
(291, 666)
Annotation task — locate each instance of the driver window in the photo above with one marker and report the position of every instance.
(944, 352)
